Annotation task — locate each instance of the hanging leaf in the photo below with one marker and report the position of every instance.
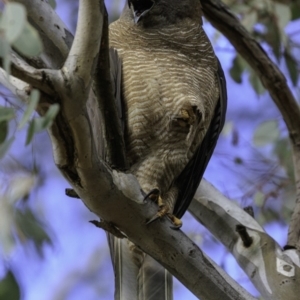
(13, 21)
(292, 67)
(283, 14)
(238, 67)
(266, 133)
(284, 155)
(52, 3)
(3, 131)
(249, 20)
(33, 102)
(6, 113)
(50, 115)
(5, 146)
(35, 126)
(256, 83)
(5, 54)
(39, 124)
(259, 199)
(228, 128)
(295, 9)
(9, 287)
(29, 42)
(30, 228)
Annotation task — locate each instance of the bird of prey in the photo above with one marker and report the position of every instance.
(173, 98)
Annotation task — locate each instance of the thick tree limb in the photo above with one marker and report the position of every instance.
(274, 272)
(273, 80)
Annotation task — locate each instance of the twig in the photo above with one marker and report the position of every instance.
(273, 80)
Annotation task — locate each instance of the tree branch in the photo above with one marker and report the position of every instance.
(273, 80)
(263, 260)
(35, 77)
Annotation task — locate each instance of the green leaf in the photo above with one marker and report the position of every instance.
(227, 128)
(13, 21)
(3, 131)
(259, 199)
(292, 67)
(266, 133)
(284, 155)
(283, 14)
(33, 102)
(5, 54)
(52, 3)
(6, 113)
(29, 43)
(237, 69)
(31, 228)
(249, 20)
(273, 37)
(5, 146)
(9, 287)
(38, 124)
(50, 115)
(256, 83)
(35, 126)
(295, 9)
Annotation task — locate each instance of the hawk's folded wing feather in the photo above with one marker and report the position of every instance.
(189, 179)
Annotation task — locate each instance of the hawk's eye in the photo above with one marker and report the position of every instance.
(140, 6)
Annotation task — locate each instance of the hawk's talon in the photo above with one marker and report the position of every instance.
(177, 223)
(154, 218)
(164, 211)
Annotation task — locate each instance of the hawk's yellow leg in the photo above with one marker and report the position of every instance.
(164, 209)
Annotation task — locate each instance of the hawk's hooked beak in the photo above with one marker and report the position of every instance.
(140, 8)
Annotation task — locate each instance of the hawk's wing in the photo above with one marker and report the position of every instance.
(137, 275)
(189, 179)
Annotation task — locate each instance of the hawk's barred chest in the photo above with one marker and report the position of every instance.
(165, 71)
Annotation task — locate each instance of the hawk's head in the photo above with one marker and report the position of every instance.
(152, 13)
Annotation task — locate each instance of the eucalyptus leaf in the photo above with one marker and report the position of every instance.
(228, 128)
(13, 20)
(29, 43)
(266, 133)
(295, 9)
(5, 53)
(3, 131)
(283, 14)
(33, 102)
(31, 228)
(38, 124)
(6, 113)
(259, 199)
(292, 67)
(256, 83)
(9, 287)
(249, 20)
(238, 67)
(50, 115)
(52, 3)
(35, 126)
(5, 146)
